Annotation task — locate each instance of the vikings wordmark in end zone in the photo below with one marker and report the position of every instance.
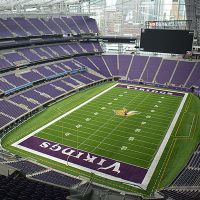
(125, 112)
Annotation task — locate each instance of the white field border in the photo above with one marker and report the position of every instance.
(158, 155)
(155, 161)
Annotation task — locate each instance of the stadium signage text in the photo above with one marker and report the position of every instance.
(82, 155)
(89, 162)
(153, 90)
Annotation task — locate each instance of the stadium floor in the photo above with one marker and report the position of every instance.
(123, 127)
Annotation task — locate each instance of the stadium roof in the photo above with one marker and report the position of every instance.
(52, 7)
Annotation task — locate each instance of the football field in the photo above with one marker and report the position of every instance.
(123, 125)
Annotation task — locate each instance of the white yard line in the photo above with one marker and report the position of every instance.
(64, 115)
(163, 145)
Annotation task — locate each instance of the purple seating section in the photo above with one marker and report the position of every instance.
(144, 68)
(13, 27)
(4, 120)
(57, 178)
(16, 186)
(31, 55)
(97, 64)
(194, 79)
(124, 63)
(186, 184)
(26, 167)
(10, 109)
(183, 194)
(184, 68)
(190, 176)
(132, 67)
(22, 103)
(165, 72)
(137, 66)
(14, 80)
(112, 63)
(151, 69)
(24, 27)
(39, 172)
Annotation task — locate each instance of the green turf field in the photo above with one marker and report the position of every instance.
(153, 131)
(97, 129)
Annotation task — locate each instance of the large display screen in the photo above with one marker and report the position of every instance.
(166, 41)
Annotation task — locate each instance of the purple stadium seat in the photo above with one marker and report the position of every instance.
(151, 69)
(43, 29)
(182, 72)
(124, 63)
(30, 29)
(73, 26)
(165, 71)
(137, 66)
(65, 28)
(111, 61)
(194, 78)
(14, 27)
(81, 24)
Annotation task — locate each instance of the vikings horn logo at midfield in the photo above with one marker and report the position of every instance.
(125, 112)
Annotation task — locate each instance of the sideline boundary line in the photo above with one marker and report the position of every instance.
(161, 149)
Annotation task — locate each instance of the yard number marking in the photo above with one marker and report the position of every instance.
(87, 119)
(78, 126)
(131, 139)
(123, 148)
(67, 134)
(137, 130)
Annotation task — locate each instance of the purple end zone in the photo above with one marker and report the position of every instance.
(153, 90)
(87, 160)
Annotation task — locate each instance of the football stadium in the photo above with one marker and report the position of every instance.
(99, 100)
